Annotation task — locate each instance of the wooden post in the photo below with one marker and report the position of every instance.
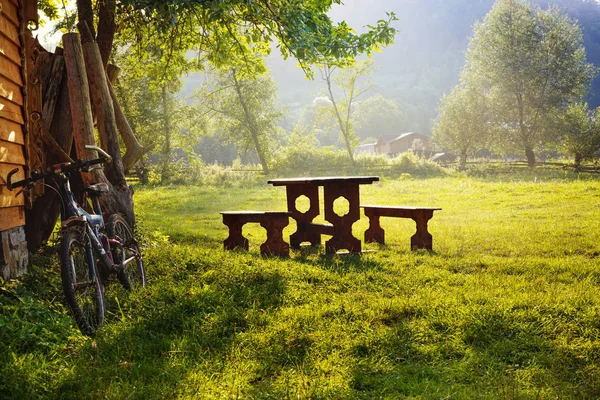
(118, 200)
(79, 96)
(102, 104)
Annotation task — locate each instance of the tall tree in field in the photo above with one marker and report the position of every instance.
(353, 82)
(579, 130)
(245, 109)
(529, 62)
(463, 122)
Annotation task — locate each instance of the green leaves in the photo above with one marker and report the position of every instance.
(528, 63)
(233, 33)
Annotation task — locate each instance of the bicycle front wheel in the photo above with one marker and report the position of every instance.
(81, 282)
(126, 253)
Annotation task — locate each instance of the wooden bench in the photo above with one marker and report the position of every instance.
(421, 215)
(273, 221)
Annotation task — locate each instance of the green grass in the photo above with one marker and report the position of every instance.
(507, 305)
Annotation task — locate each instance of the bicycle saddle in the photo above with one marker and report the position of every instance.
(97, 188)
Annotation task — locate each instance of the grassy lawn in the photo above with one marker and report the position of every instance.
(506, 306)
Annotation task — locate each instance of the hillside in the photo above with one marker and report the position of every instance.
(428, 52)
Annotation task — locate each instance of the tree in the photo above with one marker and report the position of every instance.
(377, 116)
(463, 122)
(351, 81)
(530, 63)
(579, 129)
(244, 109)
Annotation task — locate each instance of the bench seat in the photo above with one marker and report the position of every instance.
(273, 221)
(422, 239)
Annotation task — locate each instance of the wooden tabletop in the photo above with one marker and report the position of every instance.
(323, 180)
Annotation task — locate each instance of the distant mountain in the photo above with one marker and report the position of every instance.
(428, 53)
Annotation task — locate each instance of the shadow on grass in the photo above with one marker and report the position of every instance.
(175, 329)
(489, 354)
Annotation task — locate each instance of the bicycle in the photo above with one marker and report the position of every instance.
(85, 240)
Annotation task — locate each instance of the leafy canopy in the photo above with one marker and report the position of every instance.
(232, 33)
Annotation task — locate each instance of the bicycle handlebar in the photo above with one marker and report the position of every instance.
(82, 165)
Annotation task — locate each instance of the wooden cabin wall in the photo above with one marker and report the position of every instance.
(20, 147)
(12, 138)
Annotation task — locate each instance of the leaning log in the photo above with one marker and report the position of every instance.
(102, 104)
(118, 199)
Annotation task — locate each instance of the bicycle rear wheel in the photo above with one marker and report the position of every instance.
(81, 282)
(132, 275)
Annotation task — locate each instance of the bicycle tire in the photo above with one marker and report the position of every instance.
(81, 281)
(133, 275)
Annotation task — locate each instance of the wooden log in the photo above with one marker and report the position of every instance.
(102, 104)
(79, 95)
(133, 149)
(51, 83)
(118, 199)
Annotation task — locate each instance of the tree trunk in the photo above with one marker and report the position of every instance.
(578, 160)
(118, 199)
(251, 124)
(106, 29)
(530, 156)
(85, 13)
(343, 127)
(462, 165)
(166, 152)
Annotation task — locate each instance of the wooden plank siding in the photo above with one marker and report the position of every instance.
(9, 30)
(10, 11)
(12, 217)
(12, 139)
(10, 91)
(11, 132)
(10, 50)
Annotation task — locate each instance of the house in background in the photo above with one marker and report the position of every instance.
(392, 145)
(368, 149)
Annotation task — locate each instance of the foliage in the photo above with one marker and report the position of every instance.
(352, 83)
(463, 122)
(579, 130)
(230, 34)
(378, 116)
(530, 63)
(244, 110)
(184, 172)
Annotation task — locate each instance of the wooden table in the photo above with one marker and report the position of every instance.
(341, 226)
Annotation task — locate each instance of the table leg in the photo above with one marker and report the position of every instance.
(275, 245)
(303, 233)
(342, 225)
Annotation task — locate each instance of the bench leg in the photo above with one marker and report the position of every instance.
(375, 232)
(275, 245)
(422, 239)
(235, 239)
